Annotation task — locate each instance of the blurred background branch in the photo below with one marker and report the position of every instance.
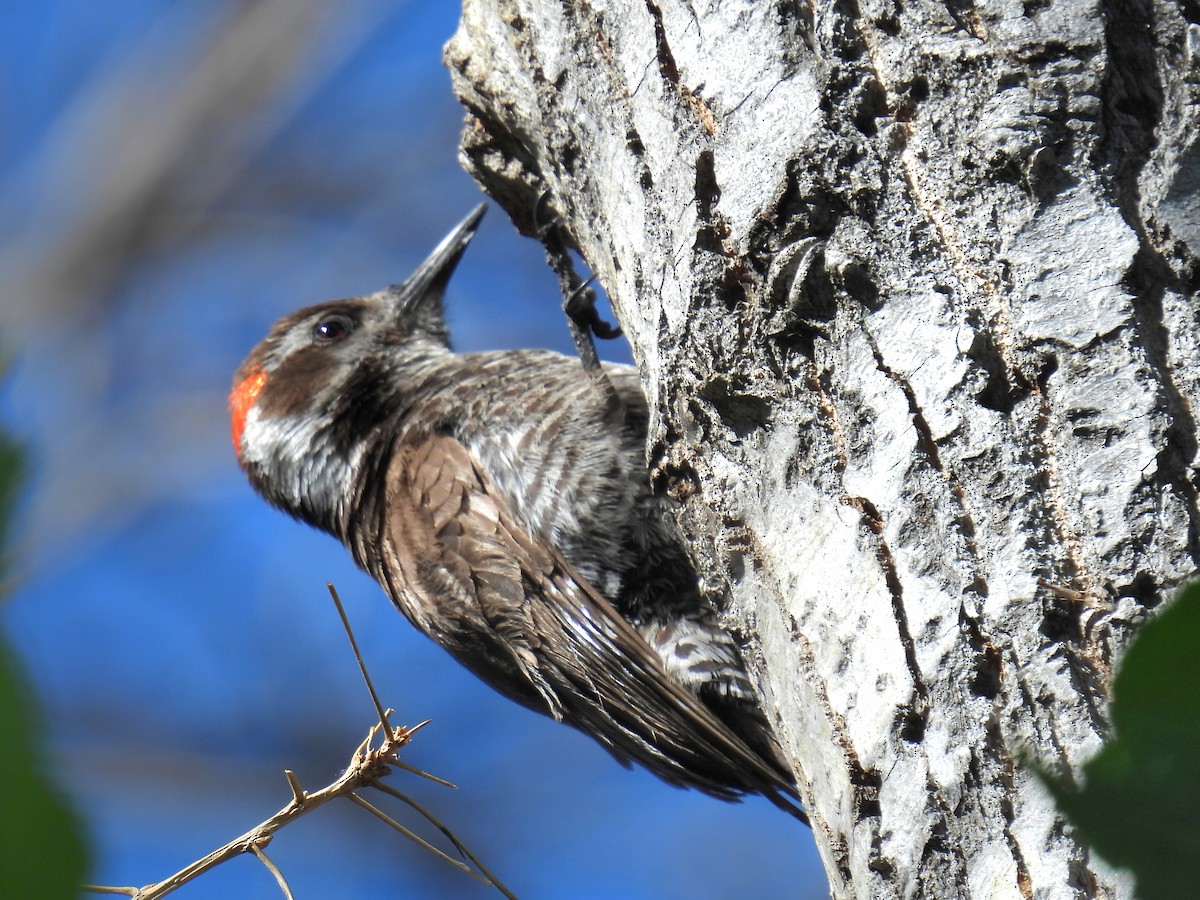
(145, 157)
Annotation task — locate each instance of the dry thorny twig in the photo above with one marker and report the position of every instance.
(371, 762)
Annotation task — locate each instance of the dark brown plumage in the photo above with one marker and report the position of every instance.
(501, 500)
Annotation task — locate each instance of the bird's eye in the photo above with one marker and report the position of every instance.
(332, 328)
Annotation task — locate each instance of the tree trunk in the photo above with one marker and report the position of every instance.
(913, 291)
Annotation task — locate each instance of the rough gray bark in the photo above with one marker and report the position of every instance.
(913, 292)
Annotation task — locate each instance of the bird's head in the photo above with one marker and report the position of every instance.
(308, 398)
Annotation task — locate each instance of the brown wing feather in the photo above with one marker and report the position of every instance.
(516, 612)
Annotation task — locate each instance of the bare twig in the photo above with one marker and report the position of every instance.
(372, 760)
(274, 870)
(459, 845)
(105, 889)
(294, 783)
(1078, 597)
(416, 838)
(415, 771)
(362, 666)
(367, 765)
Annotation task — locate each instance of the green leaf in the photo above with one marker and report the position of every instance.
(42, 853)
(10, 479)
(1140, 806)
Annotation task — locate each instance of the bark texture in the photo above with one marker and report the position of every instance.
(913, 289)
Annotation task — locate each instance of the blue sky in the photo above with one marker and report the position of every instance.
(177, 629)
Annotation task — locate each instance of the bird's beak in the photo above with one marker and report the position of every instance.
(421, 293)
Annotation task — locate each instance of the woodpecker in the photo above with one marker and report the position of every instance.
(501, 499)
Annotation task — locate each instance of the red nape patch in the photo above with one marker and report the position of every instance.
(241, 398)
